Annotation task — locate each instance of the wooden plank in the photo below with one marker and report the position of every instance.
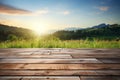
(88, 51)
(110, 60)
(99, 77)
(95, 55)
(67, 56)
(10, 78)
(59, 72)
(60, 50)
(47, 55)
(51, 78)
(25, 53)
(17, 50)
(92, 53)
(59, 66)
(82, 60)
(40, 78)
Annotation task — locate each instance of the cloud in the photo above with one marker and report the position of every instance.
(103, 8)
(7, 9)
(65, 12)
(40, 12)
(10, 10)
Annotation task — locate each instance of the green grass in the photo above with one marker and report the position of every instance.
(56, 43)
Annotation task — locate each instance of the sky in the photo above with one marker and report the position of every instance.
(44, 16)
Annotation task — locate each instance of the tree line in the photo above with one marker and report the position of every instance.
(13, 33)
(107, 32)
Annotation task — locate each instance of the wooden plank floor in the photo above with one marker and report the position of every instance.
(59, 64)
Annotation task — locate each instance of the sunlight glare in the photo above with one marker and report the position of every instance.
(40, 30)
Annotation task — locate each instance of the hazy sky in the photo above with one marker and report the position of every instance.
(44, 15)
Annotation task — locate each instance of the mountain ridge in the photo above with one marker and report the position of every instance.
(96, 26)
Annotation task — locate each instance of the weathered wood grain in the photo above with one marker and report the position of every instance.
(40, 78)
(60, 72)
(10, 78)
(75, 53)
(37, 56)
(66, 64)
(102, 55)
(82, 60)
(109, 60)
(88, 51)
(99, 77)
(19, 50)
(47, 55)
(58, 66)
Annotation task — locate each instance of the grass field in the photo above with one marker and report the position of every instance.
(56, 43)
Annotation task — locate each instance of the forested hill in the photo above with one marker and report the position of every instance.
(12, 33)
(107, 32)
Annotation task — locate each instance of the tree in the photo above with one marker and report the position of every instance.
(11, 37)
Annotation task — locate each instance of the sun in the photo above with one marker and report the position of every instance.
(40, 30)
